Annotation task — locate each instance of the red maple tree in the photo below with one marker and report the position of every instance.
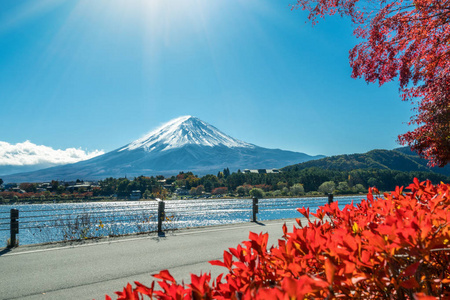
(408, 40)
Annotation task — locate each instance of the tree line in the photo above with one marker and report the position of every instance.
(291, 182)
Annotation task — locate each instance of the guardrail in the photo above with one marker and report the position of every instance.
(64, 222)
(77, 223)
(86, 223)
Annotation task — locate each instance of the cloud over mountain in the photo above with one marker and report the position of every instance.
(183, 144)
(28, 155)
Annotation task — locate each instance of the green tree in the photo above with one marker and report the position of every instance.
(208, 186)
(359, 188)
(327, 187)
(55, 185)
(108, 186)
(147, 194)
(200, 189)
(226, 172)
(257, 193)
(209, 182)
(60, 189)
(122, 187)
(193, 191)
(241, 191)
(343, 187)
(281, 185)
(373, 182)
(297, 189)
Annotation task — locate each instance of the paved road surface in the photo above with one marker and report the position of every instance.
(93, 269)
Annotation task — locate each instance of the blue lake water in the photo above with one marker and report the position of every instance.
(41, 223)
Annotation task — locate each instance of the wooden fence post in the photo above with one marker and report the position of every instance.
(330, 198)
(161, 216)
(255, 209)
(14, 228)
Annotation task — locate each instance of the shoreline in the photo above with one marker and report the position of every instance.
(106, 200)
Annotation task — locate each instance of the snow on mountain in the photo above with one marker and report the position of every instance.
(186, 130)
(183, 144)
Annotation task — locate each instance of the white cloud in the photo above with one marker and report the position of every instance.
(28, 154)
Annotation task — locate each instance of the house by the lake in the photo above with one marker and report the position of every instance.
(135, 195)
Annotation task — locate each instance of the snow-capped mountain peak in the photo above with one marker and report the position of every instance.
(186, 130)
(194, 146)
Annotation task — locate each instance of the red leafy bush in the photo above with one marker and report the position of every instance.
(220, 190)
(391, 247)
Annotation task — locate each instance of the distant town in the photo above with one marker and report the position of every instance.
(184, 185)
(259, 183)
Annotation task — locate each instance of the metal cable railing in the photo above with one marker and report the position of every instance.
(49, 222)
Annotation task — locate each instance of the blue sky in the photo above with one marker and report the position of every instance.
(100, 74)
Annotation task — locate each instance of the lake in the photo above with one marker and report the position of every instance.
(41, 223)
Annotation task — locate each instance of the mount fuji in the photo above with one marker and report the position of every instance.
(183, 144)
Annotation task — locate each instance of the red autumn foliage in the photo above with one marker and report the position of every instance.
(220, 190)
(10, 195)
(391, 247)
(408, 39)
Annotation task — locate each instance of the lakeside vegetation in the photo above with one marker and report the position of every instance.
(291, 182)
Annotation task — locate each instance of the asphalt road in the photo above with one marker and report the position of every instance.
(95, 268)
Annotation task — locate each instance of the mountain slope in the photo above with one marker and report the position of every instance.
(183, 144)
(401, 159)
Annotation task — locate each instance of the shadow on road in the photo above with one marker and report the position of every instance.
(259, 223)
(4, 251)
